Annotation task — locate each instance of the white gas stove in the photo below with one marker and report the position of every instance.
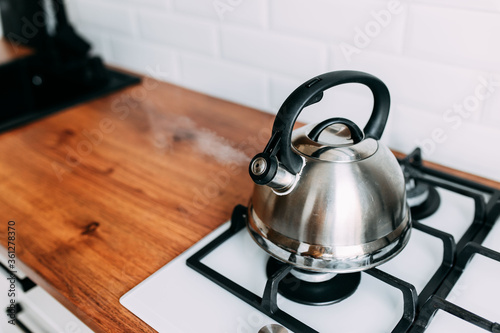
(220, 284)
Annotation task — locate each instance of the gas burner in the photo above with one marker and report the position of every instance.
(422, 198)
(314, 288)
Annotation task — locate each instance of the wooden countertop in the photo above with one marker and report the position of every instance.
(106, 193)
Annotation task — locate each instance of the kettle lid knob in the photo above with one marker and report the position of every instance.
(356, 133)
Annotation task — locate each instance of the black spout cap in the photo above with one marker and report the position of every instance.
(263, 168)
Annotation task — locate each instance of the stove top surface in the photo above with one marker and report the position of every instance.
(449, 269)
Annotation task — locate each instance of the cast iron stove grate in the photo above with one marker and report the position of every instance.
(418, 308)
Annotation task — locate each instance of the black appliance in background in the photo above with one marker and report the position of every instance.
(60, 73)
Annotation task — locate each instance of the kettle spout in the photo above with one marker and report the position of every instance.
(283, 180)
(266, 170)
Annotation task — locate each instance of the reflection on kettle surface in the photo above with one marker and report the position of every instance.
(329, 197)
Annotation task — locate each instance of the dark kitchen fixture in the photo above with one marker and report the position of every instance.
(60, 72)
(329, 197)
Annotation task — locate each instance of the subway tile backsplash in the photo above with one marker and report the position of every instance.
(280, 53)
(111, 17)
(439, 58)
(456, 36)
(178, 31)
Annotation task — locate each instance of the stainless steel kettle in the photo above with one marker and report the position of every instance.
(329, 197)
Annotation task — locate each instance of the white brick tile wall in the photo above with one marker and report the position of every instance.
(492, 104)
(458, 148)
(486, 5)
(225, 80)
(472, 148)
(456, 36)
(433, 55)
(159, 4)
(72, 11)
(351, 22)
(99, 41)
(251, 13)
(108, 16)
(415, 127)
(151, 3)
(144, 58)
(178, 31)
(275, 52)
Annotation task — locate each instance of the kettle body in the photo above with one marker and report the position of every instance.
(329, 197)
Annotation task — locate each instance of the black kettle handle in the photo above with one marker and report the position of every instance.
(311, 92)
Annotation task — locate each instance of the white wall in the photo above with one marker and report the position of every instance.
(439, 58)
(1, 27)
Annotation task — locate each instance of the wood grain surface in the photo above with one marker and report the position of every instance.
(106, 193)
